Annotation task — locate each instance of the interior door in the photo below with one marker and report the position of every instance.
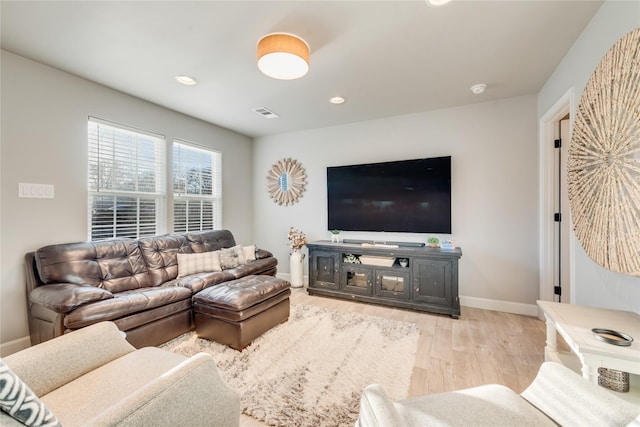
(562, 229)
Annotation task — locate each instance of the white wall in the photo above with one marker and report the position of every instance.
(44, 140)
(593, 285)
(494, 189)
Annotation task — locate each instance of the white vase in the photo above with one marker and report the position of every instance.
(295, 263)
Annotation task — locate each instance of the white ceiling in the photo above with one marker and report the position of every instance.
(385, 57)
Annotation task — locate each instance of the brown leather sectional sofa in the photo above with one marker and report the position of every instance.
(133, 283)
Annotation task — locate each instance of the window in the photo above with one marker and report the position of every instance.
(196, 188)
(126, 181)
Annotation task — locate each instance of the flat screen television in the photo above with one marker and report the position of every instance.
(412, 196)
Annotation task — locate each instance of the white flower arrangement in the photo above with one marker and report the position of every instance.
(351, 259)
(297, 238)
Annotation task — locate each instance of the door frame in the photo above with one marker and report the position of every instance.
(563, 106)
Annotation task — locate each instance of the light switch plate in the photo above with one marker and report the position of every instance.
(35, 191)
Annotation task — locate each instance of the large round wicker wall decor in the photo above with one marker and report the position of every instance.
(286, 181)
(604, 160)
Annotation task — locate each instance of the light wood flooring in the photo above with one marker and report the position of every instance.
(481, 347)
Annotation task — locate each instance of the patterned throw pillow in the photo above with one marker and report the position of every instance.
(203, 262)
(232, 257)
(17, 400)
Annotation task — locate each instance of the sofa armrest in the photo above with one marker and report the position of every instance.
(51, 364)
(377, 409)
(192, 393)
(263, 253)
(570, 400)
(64, 297)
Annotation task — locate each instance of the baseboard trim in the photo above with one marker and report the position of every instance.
(287, 277)
(10, 347)
(484, 303)
(498, 305)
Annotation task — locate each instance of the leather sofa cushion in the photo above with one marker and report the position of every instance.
(200, 281)
(207, 241)
(258, 266)
(124, 304)
(147, 317)
(64, 297)
(161, 252)
(197, 282)
(115, 265)
(161, 255)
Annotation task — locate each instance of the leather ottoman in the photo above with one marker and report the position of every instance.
(237, 312)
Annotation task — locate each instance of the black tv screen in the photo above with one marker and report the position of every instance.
(411, 196)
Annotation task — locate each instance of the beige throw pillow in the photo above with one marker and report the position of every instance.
(249, 252)
(203, 262)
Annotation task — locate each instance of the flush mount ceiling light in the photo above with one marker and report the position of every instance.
(437, 2)
(478, 89)
(337, 100)
(283, 56)
(185, 80)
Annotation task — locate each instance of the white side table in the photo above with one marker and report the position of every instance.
(574, 324)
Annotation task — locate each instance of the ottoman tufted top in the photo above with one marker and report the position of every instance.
(240, 294)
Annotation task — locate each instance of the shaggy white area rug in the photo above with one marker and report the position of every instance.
(311, 370)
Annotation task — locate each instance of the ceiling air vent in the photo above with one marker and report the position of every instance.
(264, 112)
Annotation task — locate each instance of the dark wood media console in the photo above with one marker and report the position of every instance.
(418, 278)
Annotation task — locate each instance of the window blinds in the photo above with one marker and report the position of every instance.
(126, 171)
(196, 188)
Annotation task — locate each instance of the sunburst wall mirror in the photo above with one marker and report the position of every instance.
(604, 160)
(286, 181)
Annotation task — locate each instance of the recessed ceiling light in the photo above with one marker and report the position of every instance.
(186, 80)
(337, 100)
(478, 89)
(437, 2)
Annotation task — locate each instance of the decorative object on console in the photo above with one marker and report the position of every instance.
(613, 379)
(297, 240)
(612, 337)
(335, 236)
(382, 261)
(604, 177)
(448, 244)
(433, 242)
(403, 262)
(286, 181)
(351, 259)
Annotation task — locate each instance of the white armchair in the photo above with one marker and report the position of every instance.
(557, 396)
(92, 376)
